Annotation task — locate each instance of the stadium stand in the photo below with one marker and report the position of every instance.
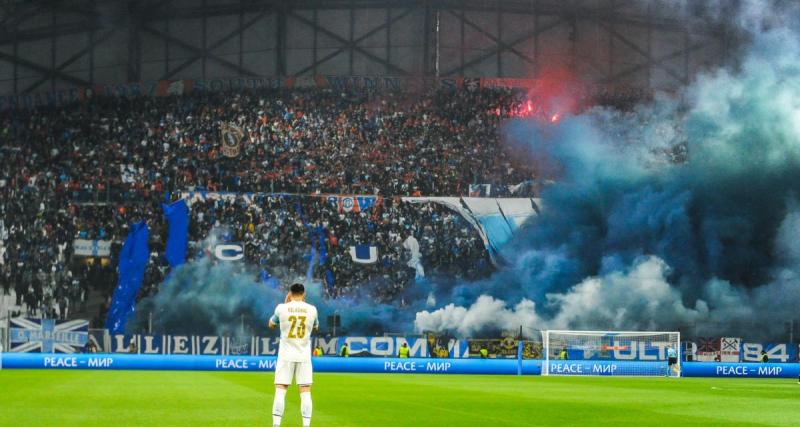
(86, 170)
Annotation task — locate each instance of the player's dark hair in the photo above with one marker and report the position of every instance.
(297, 289)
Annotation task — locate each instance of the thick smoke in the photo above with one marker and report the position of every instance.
(206, 296)
(633, 237)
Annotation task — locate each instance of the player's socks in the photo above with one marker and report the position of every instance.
(277, 406)
(305, 408)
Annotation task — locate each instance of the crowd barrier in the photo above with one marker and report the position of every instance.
(387, 365)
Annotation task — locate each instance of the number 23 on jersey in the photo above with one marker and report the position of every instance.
(298, 327)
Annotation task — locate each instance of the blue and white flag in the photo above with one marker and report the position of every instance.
(93, 248)
(364, 254)
(47, 335)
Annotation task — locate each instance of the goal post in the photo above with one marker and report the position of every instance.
(3, 343)
(616, 353)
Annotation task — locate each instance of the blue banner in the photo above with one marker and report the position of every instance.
(750, 370)
(776, 352)
(178, 236)
(387, 365)
(133, 259)
(250, 363)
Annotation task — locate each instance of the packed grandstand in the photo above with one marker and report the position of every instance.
(82, 172)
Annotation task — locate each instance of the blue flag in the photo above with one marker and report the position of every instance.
(178, 236)
(133, 260)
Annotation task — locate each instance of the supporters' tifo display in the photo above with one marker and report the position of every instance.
(77, 177)
(432, 246)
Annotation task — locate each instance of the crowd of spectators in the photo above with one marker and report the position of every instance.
(89, 169)
(278, 233)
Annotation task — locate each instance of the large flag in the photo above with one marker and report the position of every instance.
(178, 236)
(364, 254)
(47, 335)
(133, 260)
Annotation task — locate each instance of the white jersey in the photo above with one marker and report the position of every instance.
(296, 319)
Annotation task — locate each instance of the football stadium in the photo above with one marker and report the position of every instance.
(399, 212)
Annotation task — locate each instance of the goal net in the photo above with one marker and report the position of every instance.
(610, 353)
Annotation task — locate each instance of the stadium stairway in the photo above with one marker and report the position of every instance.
(8, 306)
(90, 310)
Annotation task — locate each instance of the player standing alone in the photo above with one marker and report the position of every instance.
(672, 362)
(296, 319)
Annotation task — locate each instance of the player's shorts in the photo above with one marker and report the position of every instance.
(286, 371)
(671, 361)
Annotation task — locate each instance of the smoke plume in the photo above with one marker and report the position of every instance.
(680, 215)
(633, 237)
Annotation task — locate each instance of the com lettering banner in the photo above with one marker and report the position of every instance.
(388, 346)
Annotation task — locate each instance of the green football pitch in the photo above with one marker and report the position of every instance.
(128, 398)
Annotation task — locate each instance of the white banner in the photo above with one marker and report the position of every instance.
(730, 349)
(84, 247)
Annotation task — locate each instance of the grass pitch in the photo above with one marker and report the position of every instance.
(128, 398)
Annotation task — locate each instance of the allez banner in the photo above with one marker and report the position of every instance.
(268, 346)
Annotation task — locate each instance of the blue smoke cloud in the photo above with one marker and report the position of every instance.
(207, 296)
(631, 236)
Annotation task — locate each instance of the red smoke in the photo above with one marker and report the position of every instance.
(553, 94)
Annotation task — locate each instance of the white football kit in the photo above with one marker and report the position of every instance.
(296, 319)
